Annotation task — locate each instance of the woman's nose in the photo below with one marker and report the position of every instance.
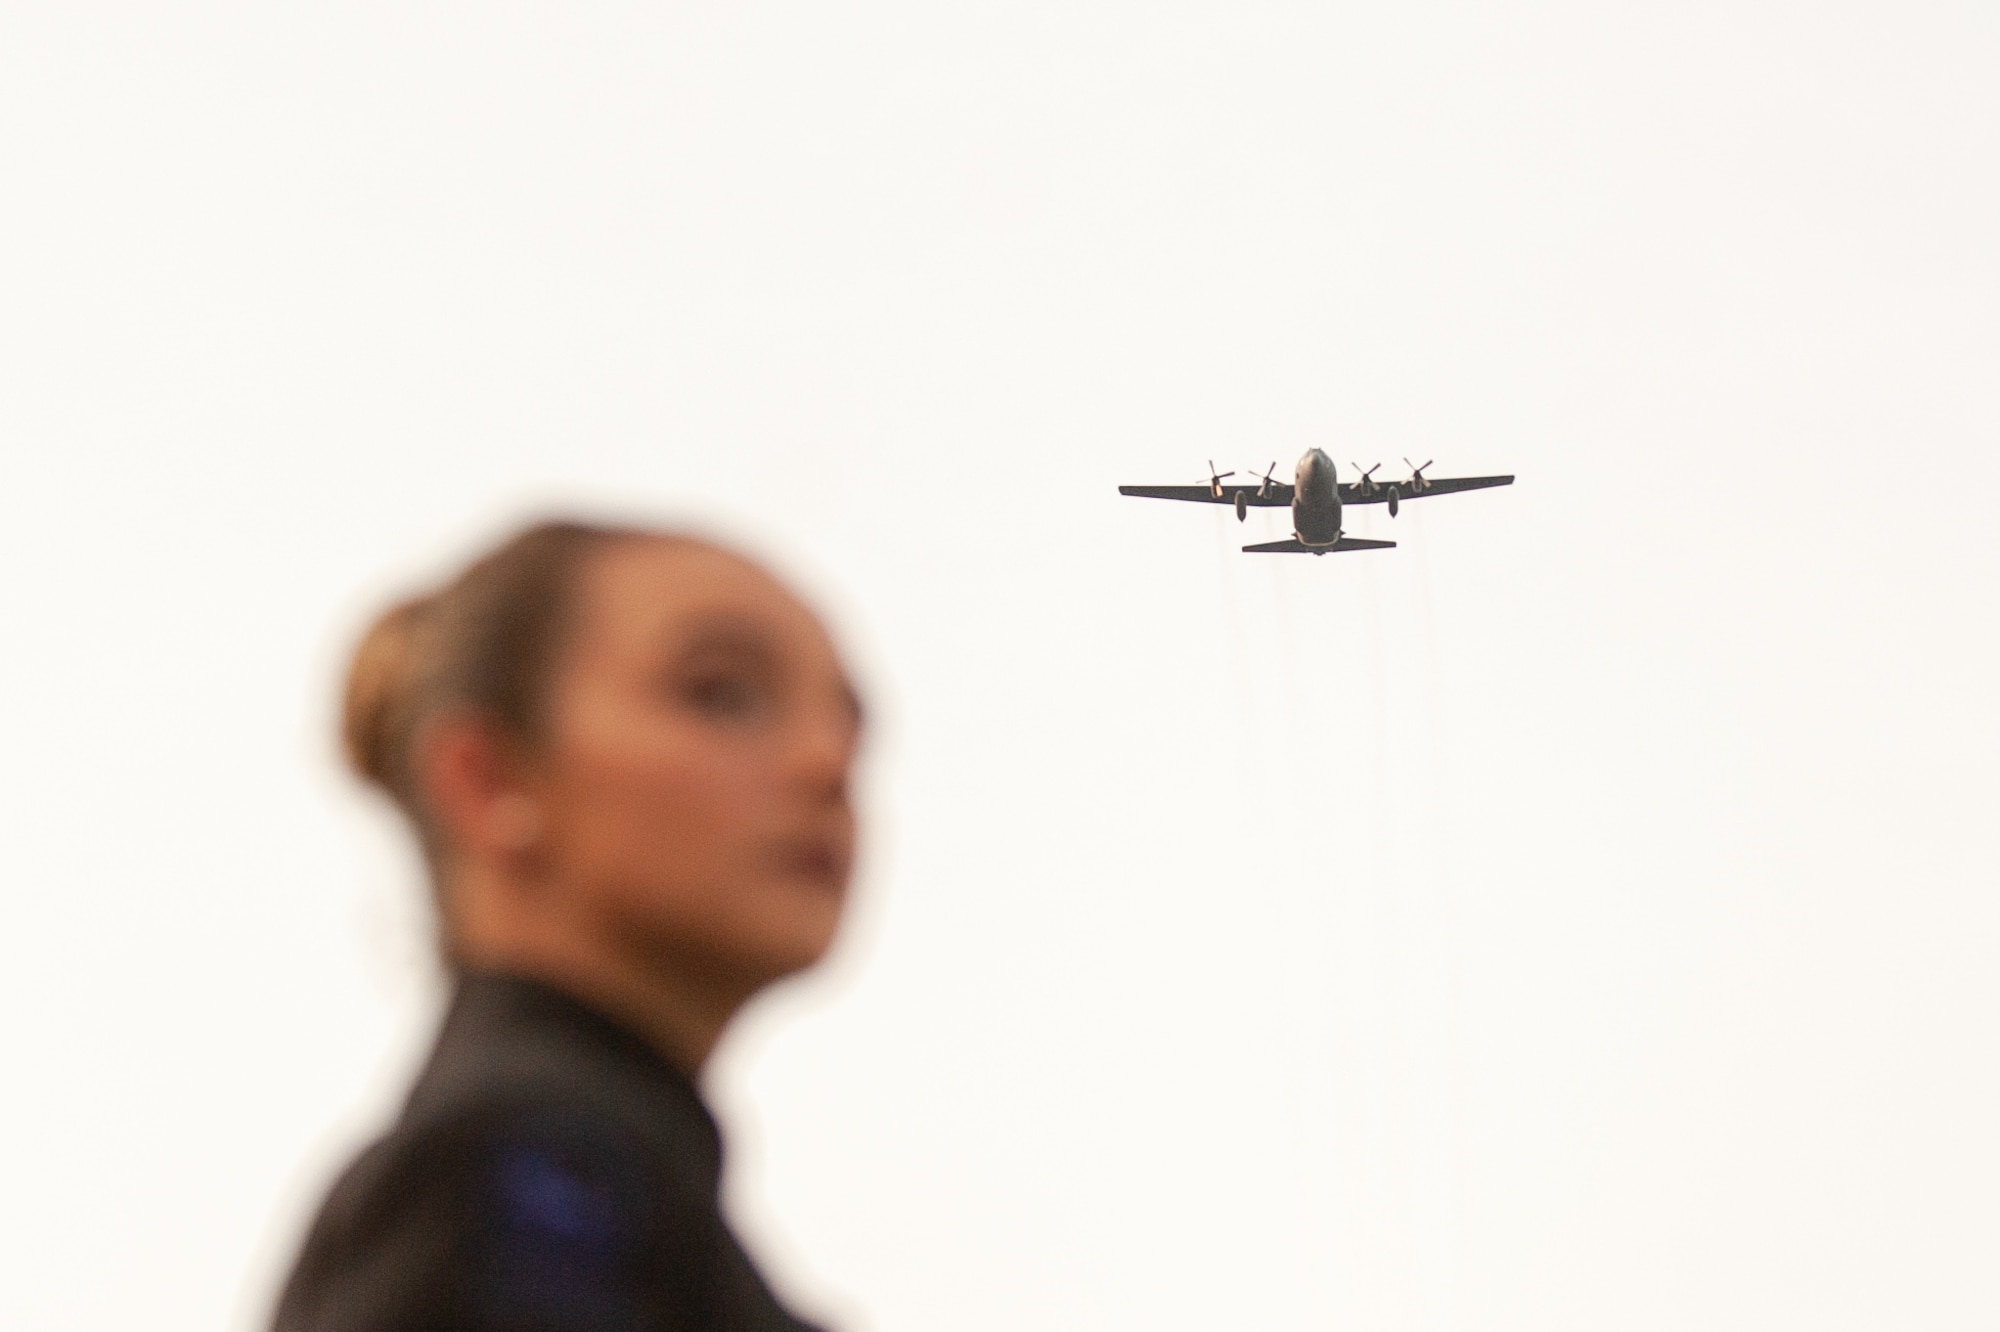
(822, 751)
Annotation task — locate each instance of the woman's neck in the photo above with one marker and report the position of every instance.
(677, 1003)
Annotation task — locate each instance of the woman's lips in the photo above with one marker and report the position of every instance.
(819, 861)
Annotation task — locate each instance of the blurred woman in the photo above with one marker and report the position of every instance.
(626, 755)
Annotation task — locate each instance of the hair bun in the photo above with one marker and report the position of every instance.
(483, 643)
(381, 702)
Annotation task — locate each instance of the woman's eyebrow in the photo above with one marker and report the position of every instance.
(725, 632)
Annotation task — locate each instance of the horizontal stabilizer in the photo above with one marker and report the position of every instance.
(1297, 547)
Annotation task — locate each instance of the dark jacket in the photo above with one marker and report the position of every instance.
(550, 1173)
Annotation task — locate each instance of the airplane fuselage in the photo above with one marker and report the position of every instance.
(1315, 501)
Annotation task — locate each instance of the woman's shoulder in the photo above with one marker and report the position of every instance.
(516, 1051)
(522, 1207)
(536, 1167)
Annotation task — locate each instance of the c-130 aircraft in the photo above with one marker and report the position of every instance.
(1316, 496)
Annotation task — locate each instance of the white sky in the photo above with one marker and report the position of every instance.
(1583, 916)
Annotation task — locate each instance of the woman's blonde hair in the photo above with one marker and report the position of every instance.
(486, 643)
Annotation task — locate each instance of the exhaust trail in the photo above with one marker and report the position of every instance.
(1441, 1186)
(1229, 583)
(1437, 777)
(1293, 718)
(1407, 1026)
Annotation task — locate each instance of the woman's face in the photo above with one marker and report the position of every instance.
(694, 782)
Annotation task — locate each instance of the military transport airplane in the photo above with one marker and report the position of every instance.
(1316, 497)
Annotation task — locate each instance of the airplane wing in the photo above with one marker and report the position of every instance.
(1278, 496)
(1444, 485)
(1296, 548)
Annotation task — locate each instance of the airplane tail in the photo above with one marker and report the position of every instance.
(1296, 547)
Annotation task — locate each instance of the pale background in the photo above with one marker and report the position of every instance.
(1581, 917)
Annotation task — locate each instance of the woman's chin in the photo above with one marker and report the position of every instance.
(770, 930)
(797, 924)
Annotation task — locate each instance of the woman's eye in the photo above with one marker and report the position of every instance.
(728, 697)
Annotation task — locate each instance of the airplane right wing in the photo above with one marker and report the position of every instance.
(1277, 495)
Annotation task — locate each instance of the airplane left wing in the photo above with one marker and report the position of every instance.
(1378, 493)
(1275, 496)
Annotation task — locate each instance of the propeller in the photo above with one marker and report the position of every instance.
(1362, 482)
(1264, 486)
(1215, 479)
(1416, 482)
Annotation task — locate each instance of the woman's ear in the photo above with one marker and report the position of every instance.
(474, 783)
